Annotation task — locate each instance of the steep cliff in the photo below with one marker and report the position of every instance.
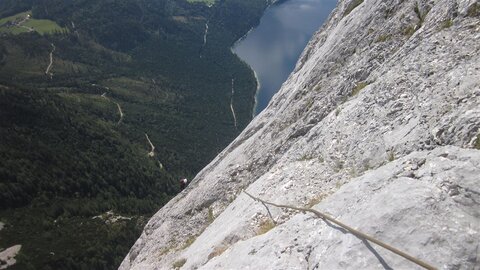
(378, 126)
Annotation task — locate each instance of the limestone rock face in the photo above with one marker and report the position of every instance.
(377, 126)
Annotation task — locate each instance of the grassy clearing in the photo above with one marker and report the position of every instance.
(15, 17)
(306, 157)
(265, 226)
(391, 156)
(13, 30)
(44, 26)
(189, 242)
(359, 88)
(210, 217)
(41, 26)
(178, 264)
(217, 252)
(94, 102)
(410, 30)
(316, 200)
(446, 24)
(207, 2)
(128, 88)
(383, 38)
(352, 6)
(473, 10)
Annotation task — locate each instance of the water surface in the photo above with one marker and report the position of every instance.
(273, 48)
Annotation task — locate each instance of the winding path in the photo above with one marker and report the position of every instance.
(205, 35)
(20, 23)
(47, 71)
(152, 152)
(104, 95)
(30, 29)
(120, 112)
(231, 103)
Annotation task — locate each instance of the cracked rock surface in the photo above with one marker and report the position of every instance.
(377, 126)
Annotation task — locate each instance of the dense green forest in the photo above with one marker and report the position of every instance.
(78, 106)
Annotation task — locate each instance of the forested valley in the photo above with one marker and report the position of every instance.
(87, 88)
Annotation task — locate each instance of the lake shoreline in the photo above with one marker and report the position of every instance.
(271, 49)
(255, 97)
(232, 49)
(257, 81)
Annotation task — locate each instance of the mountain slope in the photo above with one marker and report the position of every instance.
(85, 87)
(377, 126)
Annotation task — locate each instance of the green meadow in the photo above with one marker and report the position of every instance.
(41, 26)
(207, 2)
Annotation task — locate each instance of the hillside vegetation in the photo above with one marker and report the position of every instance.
(77, 106)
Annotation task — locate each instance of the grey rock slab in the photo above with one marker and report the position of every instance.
(418, 215)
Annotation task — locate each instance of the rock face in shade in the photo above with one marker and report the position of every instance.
(378, 126)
